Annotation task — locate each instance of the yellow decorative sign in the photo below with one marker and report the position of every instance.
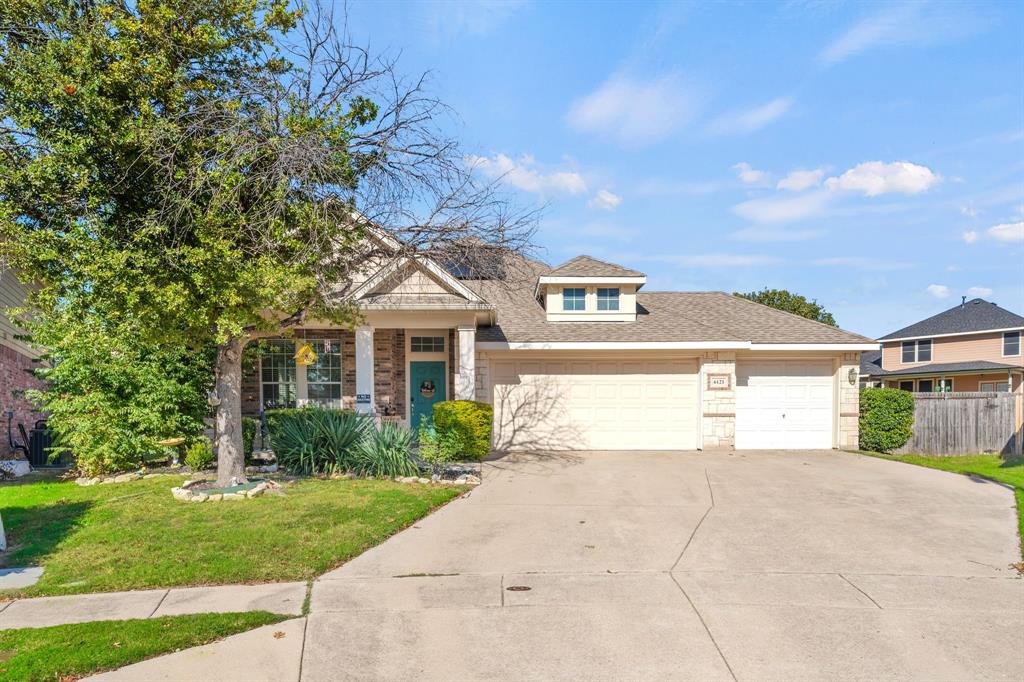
(305, 355)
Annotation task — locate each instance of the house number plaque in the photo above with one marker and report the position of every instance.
(362, 398)
(719, 382)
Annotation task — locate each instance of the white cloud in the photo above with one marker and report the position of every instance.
(979, 292)
(969, 211)
(938, 290)
(605, 200)
(800, 180)
(875, 177)
(717, 260)
(749, 120)
(781, 210)
(913, 25)
(751, 176)
(1007, 232)
(450, 20)
(660, 187)
(970, 236)
(636, 110)
(523, 174)
(771, 234)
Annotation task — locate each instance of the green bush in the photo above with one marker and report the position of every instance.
(250, 427)
(467, 420)
(385, 452)
(437, 448)
(199, 455)
(308, 441)
(886, 418)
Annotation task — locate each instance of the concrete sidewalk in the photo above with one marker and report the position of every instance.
(283, 598)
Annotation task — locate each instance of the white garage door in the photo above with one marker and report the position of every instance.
(784, 404)
(554, 404)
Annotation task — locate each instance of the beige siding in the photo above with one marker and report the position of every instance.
(953, 349)
(12, 295)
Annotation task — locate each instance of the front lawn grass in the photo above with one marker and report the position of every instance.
(134, 535)
(65, 652)
(992, 467)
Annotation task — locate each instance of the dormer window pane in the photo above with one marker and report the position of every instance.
(574, 299)
(608, 299)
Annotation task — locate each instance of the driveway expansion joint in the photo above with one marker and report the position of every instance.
(159, 603)
(854, 586)
(700, 617)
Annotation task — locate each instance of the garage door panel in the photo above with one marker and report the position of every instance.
(601, 404)
(784, 404)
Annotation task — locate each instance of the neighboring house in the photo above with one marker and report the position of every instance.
(17, 360)
(576, 357)
(975, 346)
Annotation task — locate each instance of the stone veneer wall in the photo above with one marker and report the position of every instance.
(388, 365)
(719, 406)
(849, 402)
(15, 378)
(483, 378)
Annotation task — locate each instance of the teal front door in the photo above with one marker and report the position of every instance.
(426, 387)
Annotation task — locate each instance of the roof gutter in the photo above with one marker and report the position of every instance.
(672, 345)
(885, 339)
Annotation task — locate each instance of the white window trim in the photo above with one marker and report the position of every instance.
(917, 352)
(565, 299)
(617, 298)
(301, 385)
(1020, 338)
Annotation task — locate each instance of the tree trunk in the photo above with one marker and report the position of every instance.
(230, 455)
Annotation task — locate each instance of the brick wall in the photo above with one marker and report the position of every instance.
(15, 379)
(388, 361)
(719, 406)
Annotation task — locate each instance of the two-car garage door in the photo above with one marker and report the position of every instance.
(600, 404)
(654, 404)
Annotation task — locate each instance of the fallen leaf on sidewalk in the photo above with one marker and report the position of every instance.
(278, 635)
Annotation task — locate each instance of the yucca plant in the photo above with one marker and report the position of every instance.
(385, 452)
(316, 441)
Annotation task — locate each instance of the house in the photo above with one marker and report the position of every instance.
(17, 360)
(575, 357)
(975, 346)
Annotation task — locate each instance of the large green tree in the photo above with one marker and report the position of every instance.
(206, 171)
(791, 303)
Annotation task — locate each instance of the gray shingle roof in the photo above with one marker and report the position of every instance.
(945, 367)
(976, 315)
(871, 363)
(704, 316)
(585, 266)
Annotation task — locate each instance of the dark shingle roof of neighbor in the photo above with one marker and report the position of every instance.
(946, 367)
(976, 315)
(871, 363)
(586, 266)
(662, 316)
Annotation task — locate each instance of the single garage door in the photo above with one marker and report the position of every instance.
(786, 404)
(554, 404)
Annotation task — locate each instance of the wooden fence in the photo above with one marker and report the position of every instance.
(967, 423)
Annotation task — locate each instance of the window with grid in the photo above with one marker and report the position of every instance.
(608, 299)
(427, 344)
(574, 299)
(323, 377)
(1011, 344)
(917, 351)
(277, 374)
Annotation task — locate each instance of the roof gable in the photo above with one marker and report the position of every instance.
(586, 266)
(411, 279)
(977, 315)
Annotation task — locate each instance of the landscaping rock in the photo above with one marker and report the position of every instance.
(199, 498)
(106, 481)
(86, 480)
(124, 478)
(216, 497)
(423, 480)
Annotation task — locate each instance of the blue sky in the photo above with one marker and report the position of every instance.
(867, 155)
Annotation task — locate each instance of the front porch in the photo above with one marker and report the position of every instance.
(371, 369)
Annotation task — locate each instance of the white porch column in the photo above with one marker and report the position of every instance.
(465, 382)
(364, 370)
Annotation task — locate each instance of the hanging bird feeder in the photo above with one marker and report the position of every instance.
(305, 355)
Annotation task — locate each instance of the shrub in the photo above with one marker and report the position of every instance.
(199, 455)
(469, 422)
(250, 427)
(886, 418)
(385, 452)
(310, 441)
(437, 448)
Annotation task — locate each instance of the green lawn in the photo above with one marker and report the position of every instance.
(134, 535)
(66, 652)
(992, 467)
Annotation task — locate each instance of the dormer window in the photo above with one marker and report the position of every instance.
(574, 299)
(608, 299)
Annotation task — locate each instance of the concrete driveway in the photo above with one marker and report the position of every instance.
(629, 566)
